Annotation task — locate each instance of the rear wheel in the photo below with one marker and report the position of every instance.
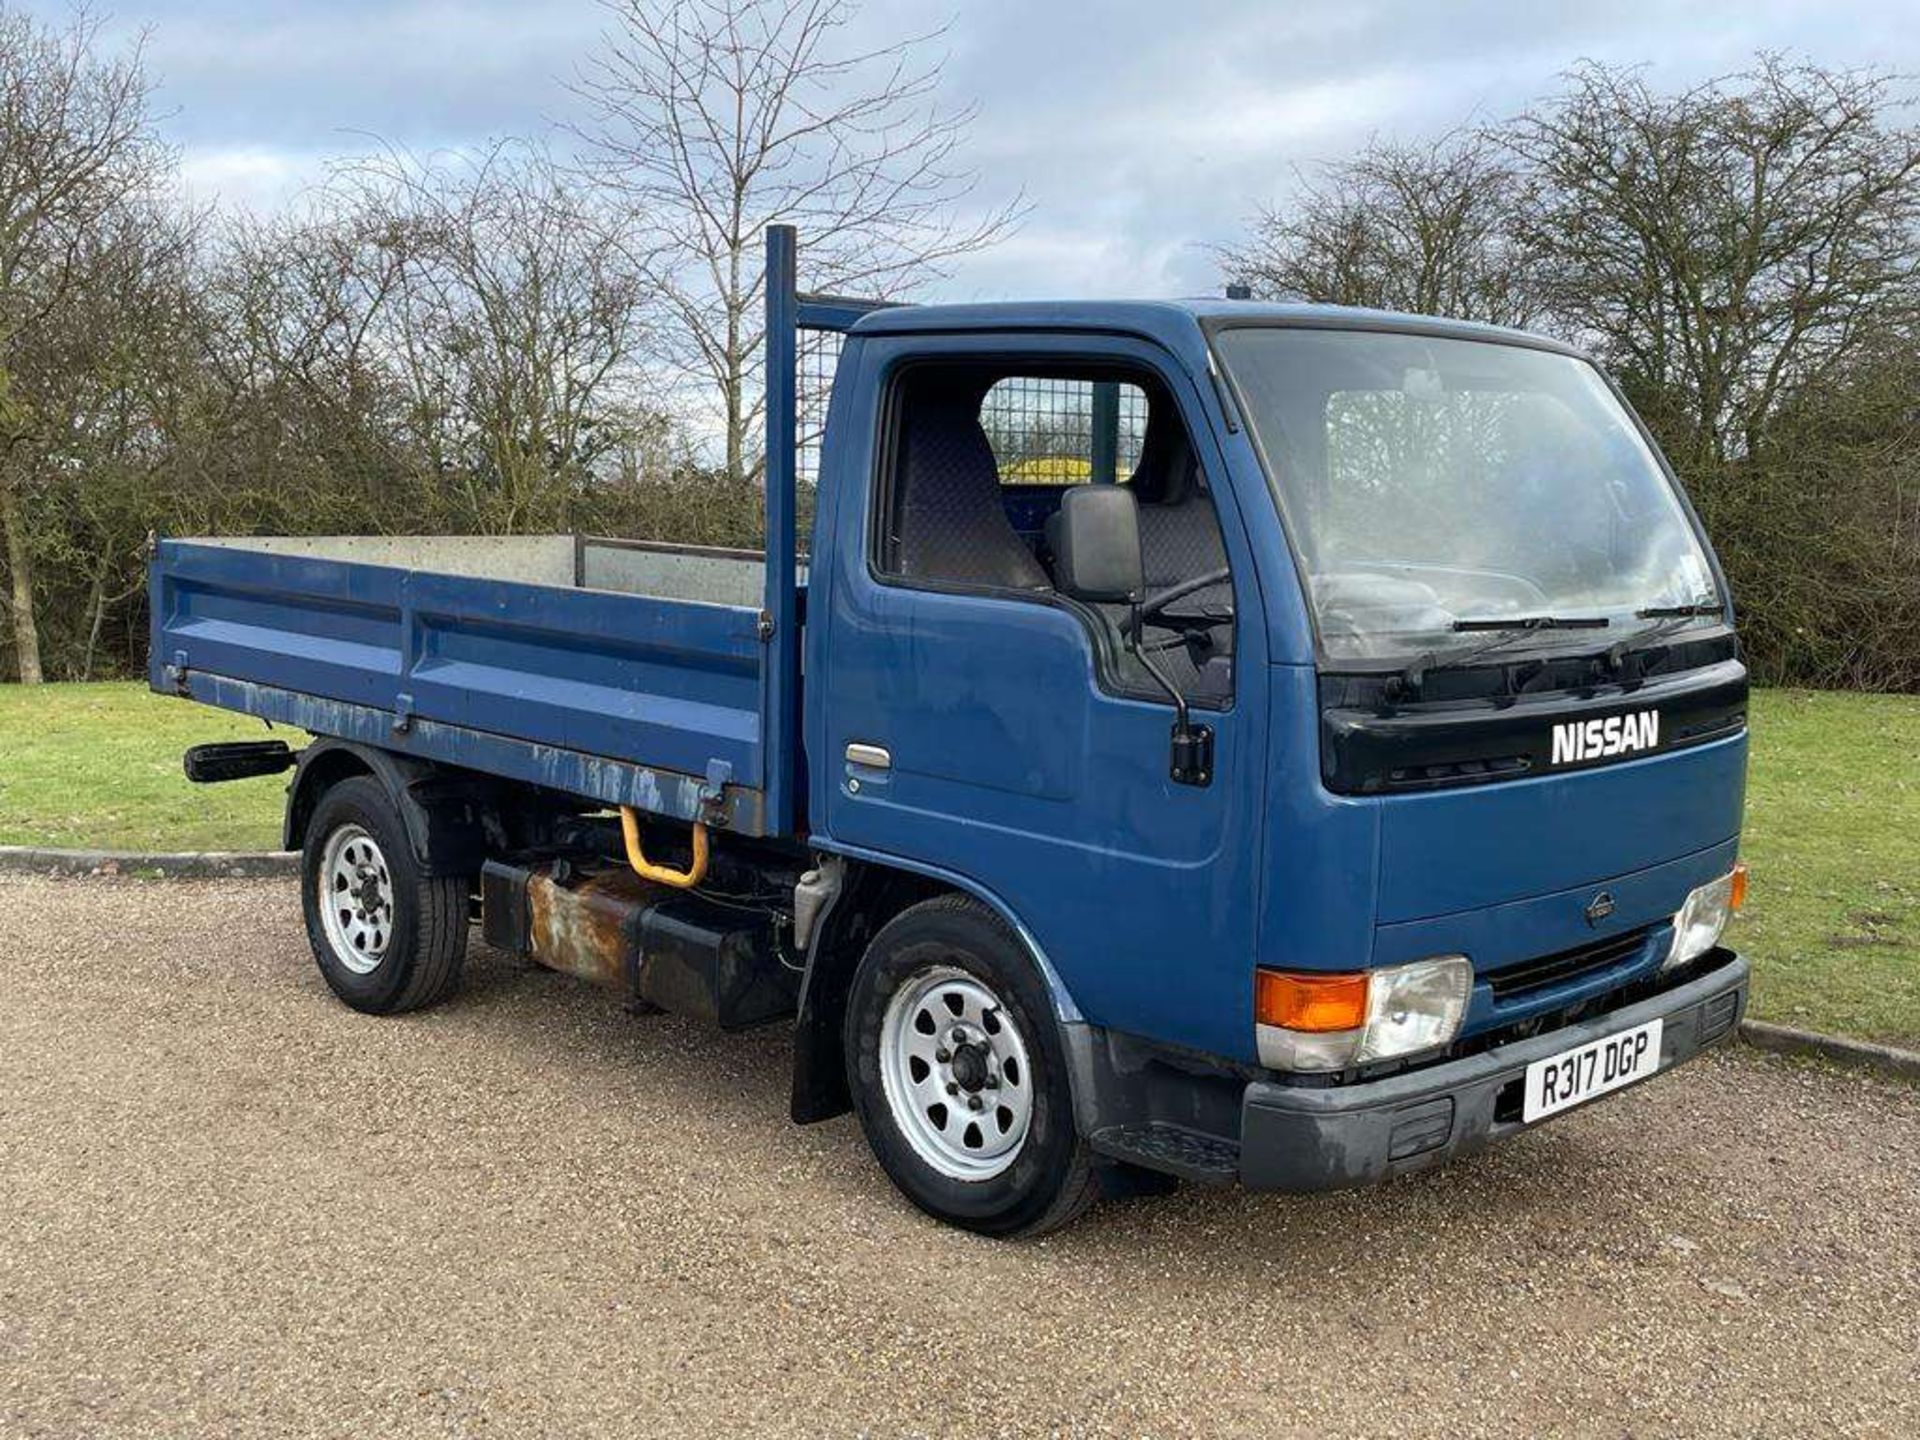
(387, 937)
(958, 1074)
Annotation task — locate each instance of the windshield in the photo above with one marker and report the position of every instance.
(1442, 492)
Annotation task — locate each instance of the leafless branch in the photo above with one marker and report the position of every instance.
(716, 118)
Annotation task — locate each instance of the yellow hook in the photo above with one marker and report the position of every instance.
(660, 874)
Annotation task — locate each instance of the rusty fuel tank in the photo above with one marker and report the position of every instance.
(649, 943)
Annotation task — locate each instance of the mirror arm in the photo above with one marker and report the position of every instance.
(1181, 722)
(1192, 762)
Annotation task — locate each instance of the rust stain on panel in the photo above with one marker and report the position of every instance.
(583, 929)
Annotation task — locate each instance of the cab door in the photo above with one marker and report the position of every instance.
(971, 721)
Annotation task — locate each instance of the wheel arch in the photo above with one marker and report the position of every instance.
(875, 889)
(445, 837)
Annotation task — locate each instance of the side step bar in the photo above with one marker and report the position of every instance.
(1171, 1149)
(237, 760)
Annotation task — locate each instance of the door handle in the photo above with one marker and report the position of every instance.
(874, 757)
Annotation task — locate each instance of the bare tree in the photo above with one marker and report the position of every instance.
(515, 314)
(298, 297)
(76, 148)
(717, 117)
(1424, 229)
(1726, 244)
(113, 367)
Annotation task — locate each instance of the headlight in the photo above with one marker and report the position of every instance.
(1699, 923)
(1416, 1007)
(1328, 1022)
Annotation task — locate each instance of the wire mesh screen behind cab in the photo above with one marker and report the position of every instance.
(816, 359)
(1045, 430)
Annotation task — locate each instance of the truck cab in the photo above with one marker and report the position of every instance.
(1463, 661)
(1210, 740)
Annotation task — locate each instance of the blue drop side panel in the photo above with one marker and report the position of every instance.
(643, 682)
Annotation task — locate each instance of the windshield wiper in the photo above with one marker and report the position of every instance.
(1667, 619)
(1679, 612)
(1535, 622)
(1505, 631)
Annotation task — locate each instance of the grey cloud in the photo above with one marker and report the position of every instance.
(1138, 130)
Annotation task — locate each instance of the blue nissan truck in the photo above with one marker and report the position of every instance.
(1207, 740)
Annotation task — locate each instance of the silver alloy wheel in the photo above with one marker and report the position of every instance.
(955, 1073)
(356, 899)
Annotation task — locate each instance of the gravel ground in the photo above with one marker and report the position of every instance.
(230, 1206)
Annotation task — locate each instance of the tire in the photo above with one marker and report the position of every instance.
(1015, 1166)
(397, 942)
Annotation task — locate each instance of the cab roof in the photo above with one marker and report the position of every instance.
(1165, 319)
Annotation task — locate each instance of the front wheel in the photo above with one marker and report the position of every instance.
(958, 1074)
(387, 937)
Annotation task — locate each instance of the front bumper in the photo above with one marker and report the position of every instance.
(1301, 1138)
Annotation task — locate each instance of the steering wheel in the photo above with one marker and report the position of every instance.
(1157, 602)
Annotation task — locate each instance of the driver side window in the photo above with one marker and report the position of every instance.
(979, 458)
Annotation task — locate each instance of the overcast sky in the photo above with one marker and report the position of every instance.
(1139, 132)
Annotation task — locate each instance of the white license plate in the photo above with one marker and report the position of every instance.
(1575, 1076)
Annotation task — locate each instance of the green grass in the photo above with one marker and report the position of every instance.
(1833, 835)
(1833, 827)
(97, 767)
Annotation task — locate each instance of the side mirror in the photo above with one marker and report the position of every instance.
(1095, 539)
(1096, 545)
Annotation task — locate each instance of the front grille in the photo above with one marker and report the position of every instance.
(1567, 965)
(1482, 726)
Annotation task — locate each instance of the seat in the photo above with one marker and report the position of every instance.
(952, 523)
(1179, 531)
(1180, 540)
